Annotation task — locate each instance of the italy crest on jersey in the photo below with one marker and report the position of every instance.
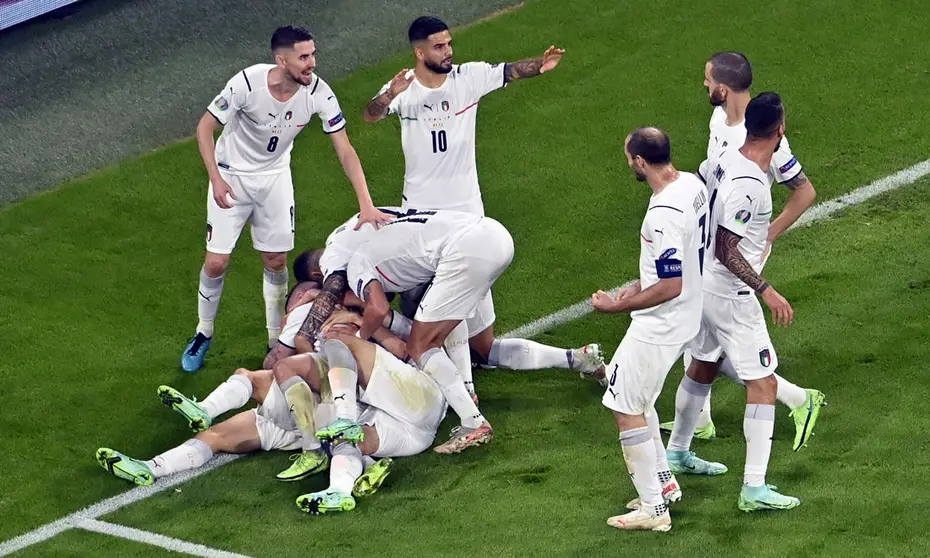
(445, 106)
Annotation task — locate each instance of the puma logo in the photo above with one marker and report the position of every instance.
(343, 397)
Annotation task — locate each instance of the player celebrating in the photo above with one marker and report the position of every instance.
(261, 110)
(728, 77)
(665, 307)
(437, 103)
(733, 322)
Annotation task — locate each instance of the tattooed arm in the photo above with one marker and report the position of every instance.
(532, 67)
(320, 309)
(377, 108)
(727, 251)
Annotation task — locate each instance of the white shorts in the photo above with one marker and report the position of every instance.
(403, 404)
(735, 327)
(475, 206)
(467, 269)
(637, 373)
(268, 200)
(483, 318)
(276, 429)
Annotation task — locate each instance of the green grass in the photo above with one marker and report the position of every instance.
(99, 288)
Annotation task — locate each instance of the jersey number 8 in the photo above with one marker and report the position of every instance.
(272, 144)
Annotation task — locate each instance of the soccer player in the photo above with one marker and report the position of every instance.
(261, 110)
(733, 322)
(463, 254)
(403, 408)
(728, 77)
(665, 308)
(437, 104)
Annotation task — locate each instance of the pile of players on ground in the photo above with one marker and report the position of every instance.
(349, 380)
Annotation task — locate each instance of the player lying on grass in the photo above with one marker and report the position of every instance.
(397, 414)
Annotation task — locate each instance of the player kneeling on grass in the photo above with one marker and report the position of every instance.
(397, 415)
(665, 307)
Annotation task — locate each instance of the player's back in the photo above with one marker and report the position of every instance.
(258, 129)
(672, 245)
(741, 202)
(406, 251)
(346, 239)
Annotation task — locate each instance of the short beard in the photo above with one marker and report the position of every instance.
(716, 99)
(640, 177)
(437, 69)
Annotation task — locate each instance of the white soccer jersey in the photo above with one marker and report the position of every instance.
(345, 240)
(741, 202)
(406, 252)
(785, 165)
(672, 245)
(258, 130)
(438, 136)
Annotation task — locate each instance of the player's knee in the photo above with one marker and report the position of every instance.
(283, 370)
(338, 354)
(215, 264)
(702, 372)
(242, 372)
(212, 438)
(275, 261)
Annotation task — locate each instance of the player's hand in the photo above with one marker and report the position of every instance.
(374, 216)
(551, 59)
(400, 83)
(629, 291)
(782, 313)
(220, 189)
(303, 344)
(341, 317)
(603, 302)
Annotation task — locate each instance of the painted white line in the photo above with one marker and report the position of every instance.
(819, 212)
(137, 535)
(109, 505)
(816, 213)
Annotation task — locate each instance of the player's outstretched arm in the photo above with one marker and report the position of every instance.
(727, 251)
(631, 298)
(532, 67)
(353, 169)
(801, 198)
(378, 108)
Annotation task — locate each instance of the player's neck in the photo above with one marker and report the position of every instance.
(429, 78)
(281, 86)
(662, 178)
(735, 107)
(759, 152)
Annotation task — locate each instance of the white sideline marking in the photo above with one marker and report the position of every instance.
(819, 212)
(816, 213)
(175, 545)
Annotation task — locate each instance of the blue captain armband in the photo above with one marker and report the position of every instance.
(668, 268)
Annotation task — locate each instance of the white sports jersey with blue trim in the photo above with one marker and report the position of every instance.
(672, 245)
(259, 130)
(741, 202)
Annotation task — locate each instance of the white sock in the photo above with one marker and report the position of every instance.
(345, 468)
(231, 394)
(790, 394)
(302, 403)
(704, 417)
(343, 378)
(208, 301)
(652, 422)
(400, 325)
(456, 346)
(639, 452)
(689, 399)
(758, 426)
(436, 363)
(523, 354)
(189, 455)
(274, 289)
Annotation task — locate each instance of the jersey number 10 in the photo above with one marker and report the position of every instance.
(439, 141)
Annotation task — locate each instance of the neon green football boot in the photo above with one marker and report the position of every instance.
(326, 501)
(306, 463)
(708, 432)
(372, 478)
(125, 467)
(805, 417)
(341, 430)
(760, 498)
(197, 417)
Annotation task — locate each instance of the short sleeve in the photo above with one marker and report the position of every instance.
(785, 165)
(327, 107)
(669, 240)
(738, 207)
(481, 77)
(295, 319)
(232, 98)
(360, 272)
